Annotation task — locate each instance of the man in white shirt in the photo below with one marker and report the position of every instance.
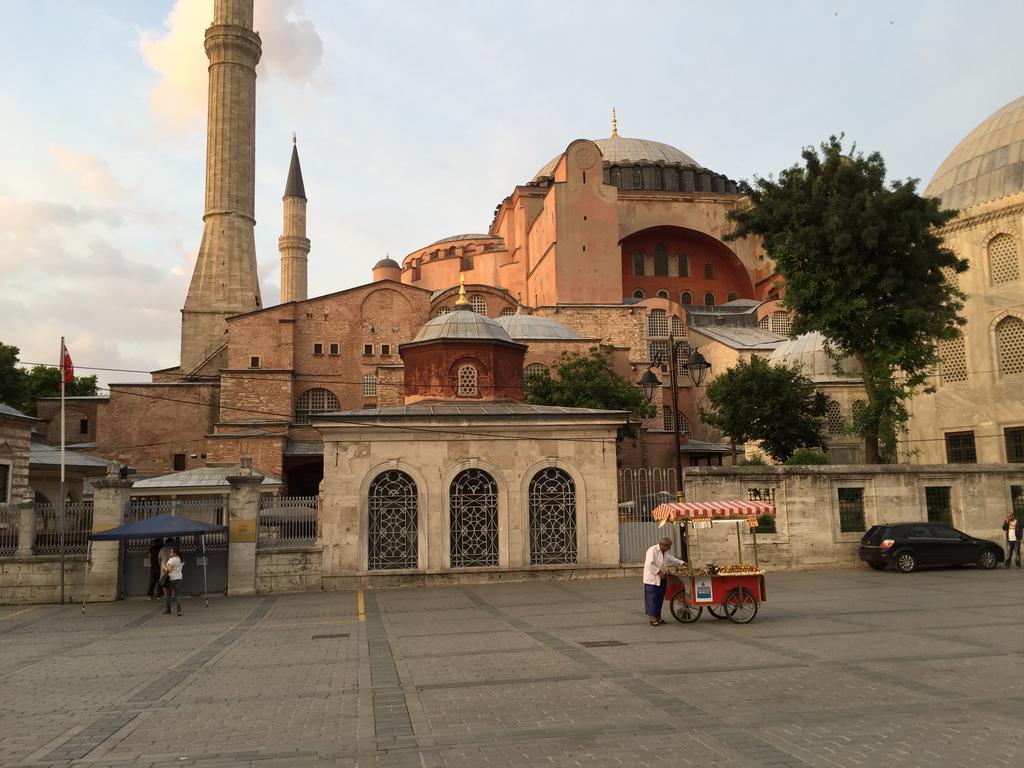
(656, 564)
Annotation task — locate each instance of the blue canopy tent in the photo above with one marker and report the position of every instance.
(161, 526)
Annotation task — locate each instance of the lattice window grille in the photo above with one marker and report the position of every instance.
(683, 352)
(442, 311)
(684, 427)
(478, 303)
(370, 385)
(657, 323)
(677, 327)
(851, 510)
(834, 418)
(765, 323)
(657, 352)
(952, 360)
(951, 276)
(393, 513)
(1010, 346)
(1002, 259)
(552, 505)
(765, 523)
(960, 448)
(781, 322)
(535, 368)
(507, 311)
(666, 418)
(474, 519)
(467, 381)
(937, 504)
(314, 401)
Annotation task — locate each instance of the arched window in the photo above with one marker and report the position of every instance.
(781, 322)
(834, 418)
(638, 177)
(765, 323)
(552, 504)
(1010, 343)
(686, 299)
(733, 296)
(677, 327)
(662, 294)
(508, 311)
(639, 294)
(393, 516)
(952, 360)
(1003, 261)
(370, 385)
(709, 299)
(314, 401)
(442, 311)
(657, 323)
(473, 498)
(478, 303)
(536, 369)
(684, 426)
(467, 381)
(638, 263)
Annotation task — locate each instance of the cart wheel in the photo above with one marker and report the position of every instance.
(718, 611)
(740, 605)
(683, 612)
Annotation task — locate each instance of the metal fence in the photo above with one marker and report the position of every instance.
(640, 491)
(10, 521)
(77, 526)
(288, 521)
(211, 510)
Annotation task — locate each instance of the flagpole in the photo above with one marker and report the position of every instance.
(61, 514)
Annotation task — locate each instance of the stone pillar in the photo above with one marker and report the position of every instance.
(243, 523)
(109, 501)
(26, 528)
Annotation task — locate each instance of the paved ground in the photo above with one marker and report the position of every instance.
(850, 668)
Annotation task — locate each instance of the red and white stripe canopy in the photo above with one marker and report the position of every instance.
(730, 508)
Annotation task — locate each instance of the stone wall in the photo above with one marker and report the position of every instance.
(37, 579)
(808, 527)
(15, 441)
(291, 569)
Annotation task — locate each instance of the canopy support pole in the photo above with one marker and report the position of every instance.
(739, 541)
(206, 596)
(88, 563)
(753, 532)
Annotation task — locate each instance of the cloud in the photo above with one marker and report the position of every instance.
(89, 173)
(292, 49)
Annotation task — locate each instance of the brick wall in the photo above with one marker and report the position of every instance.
(75, 411)
(624, 326)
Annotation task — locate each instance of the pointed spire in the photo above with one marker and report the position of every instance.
(462, 302)
(615, 125)
(294, 187)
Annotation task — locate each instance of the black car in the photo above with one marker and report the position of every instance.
(912, 545)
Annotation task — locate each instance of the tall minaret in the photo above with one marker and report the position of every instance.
(293, 243)
(225, 281)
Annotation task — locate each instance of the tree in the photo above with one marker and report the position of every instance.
(861, 262)
(589, 381)
(21, 388)
(773, 404)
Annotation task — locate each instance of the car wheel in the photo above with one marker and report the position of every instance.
(987, 559)
(905, 562)
(878, 566)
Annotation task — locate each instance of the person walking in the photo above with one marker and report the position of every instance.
(155, 568)
(172, 590)
(656, 563)
(1014, 530)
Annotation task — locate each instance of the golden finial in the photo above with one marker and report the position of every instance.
(615, 125)
(462, 301)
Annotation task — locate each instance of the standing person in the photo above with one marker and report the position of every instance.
(172, 591)
(656, 563)
(1014, 529)
(155, 565)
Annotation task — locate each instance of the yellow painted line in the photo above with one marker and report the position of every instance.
(361, 605)
(32, 608)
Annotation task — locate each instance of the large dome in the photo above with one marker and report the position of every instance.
(987, 164)
(617, 149)
(808, 353)
(462, 324)
(534, 327)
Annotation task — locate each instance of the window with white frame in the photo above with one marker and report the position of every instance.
(467, 381)
(536, 369)
(507, 311)
(478, 303)
(657, 323)
(369, 385)
(314, 401)
(781, 322)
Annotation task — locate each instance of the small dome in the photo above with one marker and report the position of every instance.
(462, 324)
(617, 149)
(987, 164)
(534, 327)
(813, 361)
(387, 262)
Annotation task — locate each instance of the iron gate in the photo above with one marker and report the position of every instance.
(640, 491)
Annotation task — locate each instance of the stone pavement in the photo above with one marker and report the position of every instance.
(847, 668)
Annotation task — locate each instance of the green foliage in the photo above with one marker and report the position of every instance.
(808, 456)
(20, 388)
(774, 404)
(755, 460)
(862, 262)
(589, 381)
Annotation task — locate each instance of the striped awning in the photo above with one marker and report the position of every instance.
(729, 508)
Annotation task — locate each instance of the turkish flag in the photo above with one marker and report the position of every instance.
(66, 365)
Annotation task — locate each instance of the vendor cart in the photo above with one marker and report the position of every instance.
(731, 591)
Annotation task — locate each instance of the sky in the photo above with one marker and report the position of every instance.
(415, 119)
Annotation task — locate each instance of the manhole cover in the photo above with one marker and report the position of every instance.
(602, 644)
(329, 637)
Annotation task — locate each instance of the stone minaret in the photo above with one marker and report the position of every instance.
(293, 243)
(225, 281)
